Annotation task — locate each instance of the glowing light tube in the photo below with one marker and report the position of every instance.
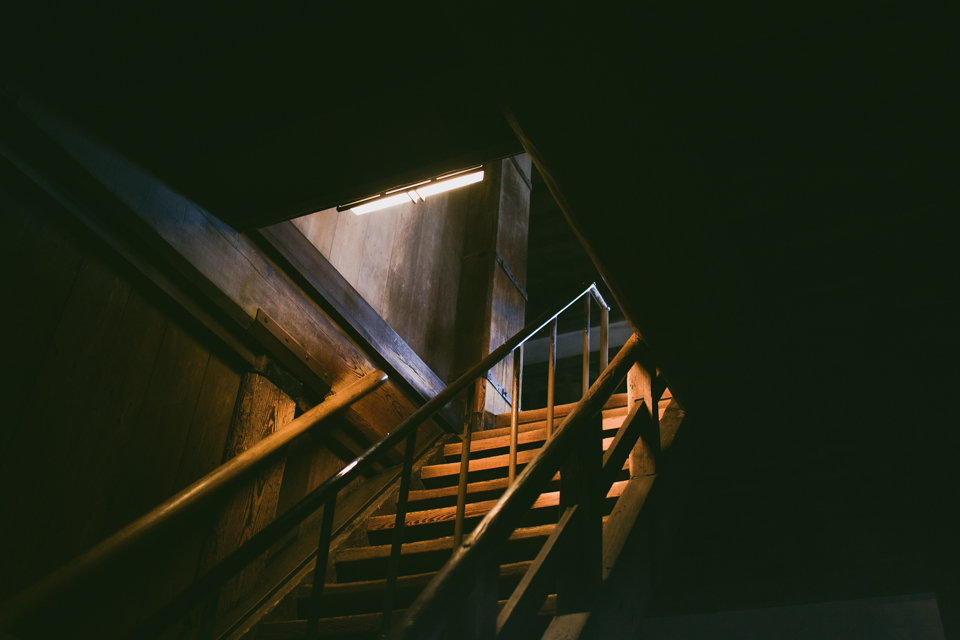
(452, 183)
(376, 205)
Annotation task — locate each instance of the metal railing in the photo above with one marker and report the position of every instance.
(206, 589)
(174, 509)
(461, 600)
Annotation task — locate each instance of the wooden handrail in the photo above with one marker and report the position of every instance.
(184, 502)
(440, 600)
(327, 492)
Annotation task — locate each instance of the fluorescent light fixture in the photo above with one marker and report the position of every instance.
(376, 205)
(415, 192)
(452, 183)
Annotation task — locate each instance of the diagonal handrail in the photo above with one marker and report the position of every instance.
(325, 494)
(445, 594)
(186, 501)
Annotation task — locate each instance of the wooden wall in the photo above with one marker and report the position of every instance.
(116, 397)
(405, 262)
(113, 398)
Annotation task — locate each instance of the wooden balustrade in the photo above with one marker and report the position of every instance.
(572, 554)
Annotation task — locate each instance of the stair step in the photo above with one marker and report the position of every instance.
(528, 439)
(433, 523)
(527, 419)
(438, 475)
(366, 625)
(353, 598)
(476, 492)
(370, 563)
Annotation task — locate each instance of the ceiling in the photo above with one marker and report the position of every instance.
(769, 193)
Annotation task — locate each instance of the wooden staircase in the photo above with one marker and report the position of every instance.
(352, 605)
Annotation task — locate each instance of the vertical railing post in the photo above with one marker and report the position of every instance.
(520, 380)
(515, 414)
(320, 569)
(580, 567)
(551, 376)
(604, 336)
(468, 412)
(643, 457)
(586, 345)
(393, 568)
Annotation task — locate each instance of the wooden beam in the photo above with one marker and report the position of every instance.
(331, 291)
(520, 611)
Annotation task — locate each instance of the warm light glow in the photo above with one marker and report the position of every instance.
(376, 205)
(417, 194)
(452, 183)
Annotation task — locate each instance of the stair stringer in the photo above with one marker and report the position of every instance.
(628, 559)
(260, 606)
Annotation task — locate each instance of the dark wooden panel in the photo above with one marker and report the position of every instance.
(330, 290)
(161, 429)
(46, 265)
(72, 369)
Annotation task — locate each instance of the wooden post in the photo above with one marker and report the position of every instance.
(468, 412)
(586, 344)
(515, 415)
(393, 567)
(643, 458)
(551, 376)
(604, 337)
(320, 569)
(261, 410)
(580, 567)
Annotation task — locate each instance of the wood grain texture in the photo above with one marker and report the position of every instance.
(261, 410)
(230, 270)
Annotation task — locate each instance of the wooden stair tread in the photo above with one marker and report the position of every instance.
(436, 544)
(473, 510)
(527, 436)
(418, 579)
(536, 415)
(364, 623)
(479, 464)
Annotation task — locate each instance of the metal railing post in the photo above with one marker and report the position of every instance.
(389, 594)
(515, 414)
(586, 345)
(468, 413)
(604, 336)
(320, 569)
(551, 376)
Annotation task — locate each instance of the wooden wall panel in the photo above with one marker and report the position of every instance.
(113, 383)
(405, 262)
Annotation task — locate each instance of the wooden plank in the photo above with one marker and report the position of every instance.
(290, 352)
(346, 254)
(262, 409)
(437, 471)
(540, 415)
(526, 436)
(319, 228)
(377, 254)
(332, 292)
(517, 615)
(291, 564)
(222, 264)
(162, 427)
(73, 367)
(46, 264)
(547, 500)
(580, 556)
(621, 448)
